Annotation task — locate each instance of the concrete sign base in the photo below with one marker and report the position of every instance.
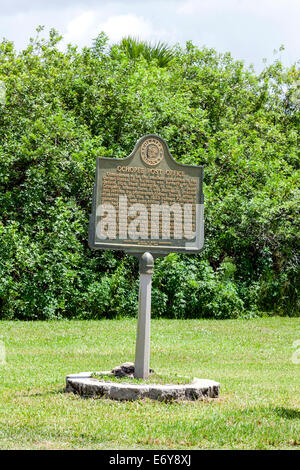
(84, 385)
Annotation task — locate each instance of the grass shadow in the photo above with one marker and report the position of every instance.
(288, 413)
(60, 391)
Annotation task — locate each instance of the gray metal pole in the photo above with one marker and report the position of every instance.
(142, 349)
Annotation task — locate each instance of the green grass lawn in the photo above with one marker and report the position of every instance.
(258, 407)
(153, 379)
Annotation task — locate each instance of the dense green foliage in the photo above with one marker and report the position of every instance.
(63, 109)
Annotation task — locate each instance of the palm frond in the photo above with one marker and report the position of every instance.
(135, 48)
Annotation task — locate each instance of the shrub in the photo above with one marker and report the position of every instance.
(62, 109)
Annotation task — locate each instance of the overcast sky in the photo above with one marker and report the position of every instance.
(249, 29)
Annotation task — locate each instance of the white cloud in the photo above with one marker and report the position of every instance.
(119, 26)
(79, 27)
(88, 24)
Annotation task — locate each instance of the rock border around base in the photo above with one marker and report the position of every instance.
(83, 384)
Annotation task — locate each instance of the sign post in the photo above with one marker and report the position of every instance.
(147, 205)
(142, 348)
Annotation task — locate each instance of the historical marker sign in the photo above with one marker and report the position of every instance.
(147, 202)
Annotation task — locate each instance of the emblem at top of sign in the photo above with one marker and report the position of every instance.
(152, 152)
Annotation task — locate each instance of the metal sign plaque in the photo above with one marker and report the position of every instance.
(147, 202)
